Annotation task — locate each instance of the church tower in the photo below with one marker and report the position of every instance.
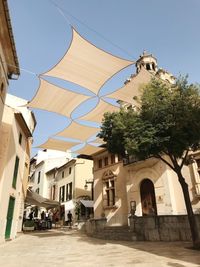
(148, 61)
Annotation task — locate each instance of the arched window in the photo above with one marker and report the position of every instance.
(148, 199)
(148, 67)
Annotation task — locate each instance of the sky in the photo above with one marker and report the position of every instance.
(42, 32)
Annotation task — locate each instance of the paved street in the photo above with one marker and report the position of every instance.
(71, 248)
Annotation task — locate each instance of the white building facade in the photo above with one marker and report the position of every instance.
(68, 184)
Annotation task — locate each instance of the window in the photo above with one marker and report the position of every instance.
(37, 190)
(63, 174)
(20, 138)
(62, 194)
(105, 161)
(69, 191)
(110, 192)
(148, 67)
(112, 158)
(14, 182)
(119, 158)
(100, 163)
(70, 170)
(39, 174)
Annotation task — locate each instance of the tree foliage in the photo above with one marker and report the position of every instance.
(167, 122)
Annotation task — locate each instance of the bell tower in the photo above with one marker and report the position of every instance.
(148, 61)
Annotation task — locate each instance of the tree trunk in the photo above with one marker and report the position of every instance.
(191, 218)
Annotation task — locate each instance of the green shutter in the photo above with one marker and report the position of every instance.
(15, 172)
(10, 212)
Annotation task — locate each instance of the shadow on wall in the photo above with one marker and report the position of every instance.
(6, 153)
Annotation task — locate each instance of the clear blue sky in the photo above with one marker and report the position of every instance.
(167, 29)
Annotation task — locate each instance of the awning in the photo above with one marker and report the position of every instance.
(56, 99)
(87, 65)
(96, 115)
(133, 88)
(78, 131)
(56, 144)
(88, 150)
(32, 198)
(87, 203)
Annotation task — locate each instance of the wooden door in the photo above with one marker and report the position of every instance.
(148, 199)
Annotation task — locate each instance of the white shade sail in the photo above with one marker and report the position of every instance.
(132, 88)
(78, 131)
(58, 144)
(98, 141)
(97, 113)
(55, 99)
(89, 150)
(87, 65)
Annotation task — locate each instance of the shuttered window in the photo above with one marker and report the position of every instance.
(15, 172)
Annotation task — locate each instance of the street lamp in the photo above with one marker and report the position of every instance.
(92, 187)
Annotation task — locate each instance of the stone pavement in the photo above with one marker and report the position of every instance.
(70, 248)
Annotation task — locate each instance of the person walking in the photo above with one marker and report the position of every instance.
(69, 217)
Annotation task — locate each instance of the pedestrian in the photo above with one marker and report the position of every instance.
(42, 215)
(69, 217)
(31, 216)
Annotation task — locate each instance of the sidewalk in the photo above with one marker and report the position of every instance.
(70, 248)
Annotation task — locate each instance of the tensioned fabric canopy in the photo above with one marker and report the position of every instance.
(32, 198)
(58, 144)
(78, 131)
(98, 141)
(89, 150)
(56, 99)
(132, 88)
(87, 65)
(97, 113)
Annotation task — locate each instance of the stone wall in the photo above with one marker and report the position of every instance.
(94, 226)
(162, 228)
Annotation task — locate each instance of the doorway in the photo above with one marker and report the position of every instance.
(10, 212)
(148, 199)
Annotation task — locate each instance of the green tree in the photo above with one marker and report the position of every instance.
(166, 126)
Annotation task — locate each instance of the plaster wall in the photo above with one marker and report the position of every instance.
(168, 192)
(9, 149)
(118, 214)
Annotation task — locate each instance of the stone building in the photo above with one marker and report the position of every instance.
(67, 184)
(150, 185)
(40, 164)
